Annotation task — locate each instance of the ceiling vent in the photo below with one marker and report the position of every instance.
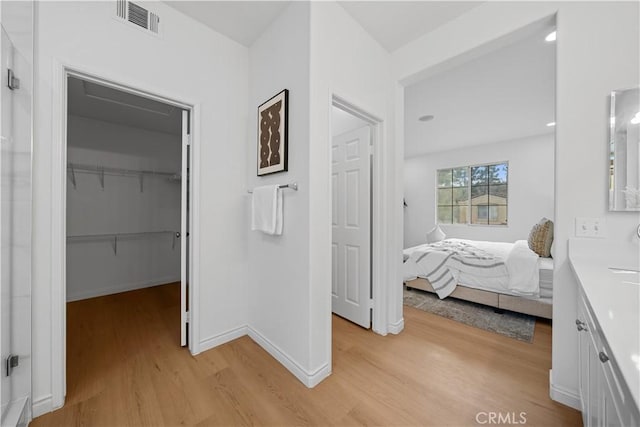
(138, 16)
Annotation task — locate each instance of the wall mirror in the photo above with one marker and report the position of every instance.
(624, 156)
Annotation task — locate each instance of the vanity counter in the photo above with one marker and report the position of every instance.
(612, 293)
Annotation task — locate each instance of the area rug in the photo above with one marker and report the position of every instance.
(507, 323)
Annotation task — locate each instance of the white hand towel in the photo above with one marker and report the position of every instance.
(266, 210)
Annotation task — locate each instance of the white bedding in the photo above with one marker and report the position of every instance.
(523, 267)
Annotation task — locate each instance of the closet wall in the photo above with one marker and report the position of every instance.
(97, 266)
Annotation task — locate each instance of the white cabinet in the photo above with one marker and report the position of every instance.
(604, 397)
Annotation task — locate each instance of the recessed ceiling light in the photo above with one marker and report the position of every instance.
(551, 124)
(426, 118)
(551, 37)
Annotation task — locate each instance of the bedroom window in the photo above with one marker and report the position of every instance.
(453, 196)
(473, 194)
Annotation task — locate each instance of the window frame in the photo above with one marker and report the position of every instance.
(468, 187)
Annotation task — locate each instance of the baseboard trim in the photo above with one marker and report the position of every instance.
(223, 338)
(397, 327)
(42, 405)
(25, 413)
(309, 379)
(563, 395)
(16, 413)
(100, 292)
(318, 376)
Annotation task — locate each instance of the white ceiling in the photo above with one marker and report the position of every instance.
(391, 23)
(99, 102)
(504, 95)
(242, 21)
(395, 23)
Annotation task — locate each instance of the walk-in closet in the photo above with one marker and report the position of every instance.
(125, 220)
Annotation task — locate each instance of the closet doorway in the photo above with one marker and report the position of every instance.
(353, 188)
(127, 225)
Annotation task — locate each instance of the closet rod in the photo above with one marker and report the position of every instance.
(110, 235)
(102, 170)
(117, 236)
(77, 167)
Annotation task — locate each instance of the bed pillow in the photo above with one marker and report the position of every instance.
(435, 235)
(541, 238)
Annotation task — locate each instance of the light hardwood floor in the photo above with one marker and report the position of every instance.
(125, 368)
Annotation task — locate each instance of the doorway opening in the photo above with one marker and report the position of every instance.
(127, 215)
(353, 183)
(476, 129)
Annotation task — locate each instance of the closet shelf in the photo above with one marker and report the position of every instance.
(101, 171)
(115, 237)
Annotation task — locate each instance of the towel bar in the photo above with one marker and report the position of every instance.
(293, 186)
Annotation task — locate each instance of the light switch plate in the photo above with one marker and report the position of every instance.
(591, 227)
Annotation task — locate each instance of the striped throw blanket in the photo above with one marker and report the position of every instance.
(441, 263)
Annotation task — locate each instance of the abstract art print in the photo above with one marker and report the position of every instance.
(272, 134)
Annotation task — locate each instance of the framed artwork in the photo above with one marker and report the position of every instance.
(273, 134)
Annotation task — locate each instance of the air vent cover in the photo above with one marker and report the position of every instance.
(137, 15)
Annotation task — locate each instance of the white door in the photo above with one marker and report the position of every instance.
(351, 221)
(6, 136)
(184, 231)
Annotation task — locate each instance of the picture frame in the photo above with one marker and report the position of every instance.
(273, 134)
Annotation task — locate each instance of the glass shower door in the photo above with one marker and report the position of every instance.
(16, 98)
(6, 50)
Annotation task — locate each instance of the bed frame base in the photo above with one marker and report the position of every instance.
(492, 299)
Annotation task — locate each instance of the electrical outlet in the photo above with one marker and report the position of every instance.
(590, 227)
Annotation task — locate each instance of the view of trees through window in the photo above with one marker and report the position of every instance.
(473, 194)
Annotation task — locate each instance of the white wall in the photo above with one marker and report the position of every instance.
(296, 267)
(93, 268)
(531, 188)
(585, 79)
(278, 265)
(348, 62)
(193, 64)
(587, 69)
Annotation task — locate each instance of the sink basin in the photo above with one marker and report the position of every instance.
(628, 275)
(620, 260)
(618, 270)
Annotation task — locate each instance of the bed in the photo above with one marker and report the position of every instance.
(503, 275)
